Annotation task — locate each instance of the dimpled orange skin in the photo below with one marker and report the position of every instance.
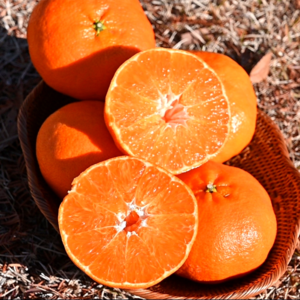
(237, 224)
(70, 140)
(68, 54)
(242, 100)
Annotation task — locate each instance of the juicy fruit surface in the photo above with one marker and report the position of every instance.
(242, 101)
(69, 53)
(168, 107)
(127, 223)
(70, 140)
(237, 224)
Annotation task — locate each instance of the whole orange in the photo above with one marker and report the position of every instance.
(70, 140)
(77, 46)
(242, 101)
(237, 225)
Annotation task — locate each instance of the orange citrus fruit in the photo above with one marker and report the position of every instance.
(127, 223)
(70, 140)
(168, 107)
(242, 100)
(237, 224)
(76, 46)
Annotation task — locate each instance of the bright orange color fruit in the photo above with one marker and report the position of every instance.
(242, 100)
(77, 45)
(237, 224)
(168, 107)
(127, 223)
(70, 140)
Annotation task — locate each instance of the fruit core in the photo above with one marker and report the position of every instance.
(135, 219)
(173, 112)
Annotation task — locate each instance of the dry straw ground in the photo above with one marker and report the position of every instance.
(33, 263)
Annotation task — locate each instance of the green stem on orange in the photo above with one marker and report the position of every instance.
(211, 188)
(98, 26)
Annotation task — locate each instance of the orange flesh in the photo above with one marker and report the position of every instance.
(127, 224)
(168, 107)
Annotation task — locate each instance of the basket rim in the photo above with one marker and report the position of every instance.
(22, 133)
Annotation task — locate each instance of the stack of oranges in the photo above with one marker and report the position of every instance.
(138, 159)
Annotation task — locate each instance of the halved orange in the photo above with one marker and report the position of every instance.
(127, 223)
(168, 107)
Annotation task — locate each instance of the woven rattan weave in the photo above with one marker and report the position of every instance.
(266, 158)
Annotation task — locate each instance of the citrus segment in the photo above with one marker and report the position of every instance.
(163, 233)
(168, 107)
(126, 112)
(119, 188)
(110, 257)
(91, 239)
(127, 223)
(104, 193)
(140, 258)
(147, 66)
(87, 210)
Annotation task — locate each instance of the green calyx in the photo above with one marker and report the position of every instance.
(211, 188)
(98, 26)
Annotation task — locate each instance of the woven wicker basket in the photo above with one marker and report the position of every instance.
(266, 158)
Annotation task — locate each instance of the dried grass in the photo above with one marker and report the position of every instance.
(33, 263)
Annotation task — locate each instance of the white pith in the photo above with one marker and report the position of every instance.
(121, 222)
(167, 103)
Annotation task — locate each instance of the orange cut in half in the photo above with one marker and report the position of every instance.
(127, 223)
(168, 107)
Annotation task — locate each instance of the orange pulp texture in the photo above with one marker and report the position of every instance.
(127, 223)
(168, 107)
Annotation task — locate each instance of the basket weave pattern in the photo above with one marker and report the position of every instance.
(266, 158)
